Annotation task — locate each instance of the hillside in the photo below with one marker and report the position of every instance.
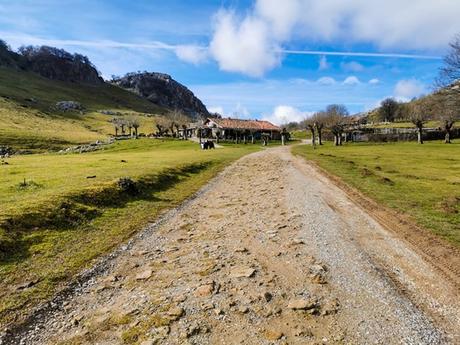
(445, 101)
(34, 79)
(29, 121)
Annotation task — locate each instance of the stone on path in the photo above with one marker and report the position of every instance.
(144, 275)
(301, 304)
(242, 272)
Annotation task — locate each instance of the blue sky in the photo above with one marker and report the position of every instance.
(279, 60)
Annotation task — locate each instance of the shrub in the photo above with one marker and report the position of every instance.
(127, 185)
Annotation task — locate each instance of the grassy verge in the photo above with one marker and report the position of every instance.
(57, 222)
(422, 181)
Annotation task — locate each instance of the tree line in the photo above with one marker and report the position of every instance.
(443, 106)
(169, 125)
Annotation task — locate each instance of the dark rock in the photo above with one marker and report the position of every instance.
(164, 91)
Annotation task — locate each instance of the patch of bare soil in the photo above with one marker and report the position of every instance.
(271, 252)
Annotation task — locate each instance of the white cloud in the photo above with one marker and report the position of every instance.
(244, 46)
(283, 114)
(323, 64)
(252, 44)
(216, 109)
(351, 80)
(352, 66)
(191, 53)
(374, 81)
(408, 89)
(240, 111)
(326, 81)
(412, 25)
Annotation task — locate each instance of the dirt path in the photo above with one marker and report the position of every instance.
(270, 252)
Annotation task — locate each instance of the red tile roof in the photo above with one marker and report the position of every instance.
(258, 125)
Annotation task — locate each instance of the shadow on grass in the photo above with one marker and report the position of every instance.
(78, 209)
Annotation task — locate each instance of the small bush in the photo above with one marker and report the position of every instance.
(127, 185)
(23, 185)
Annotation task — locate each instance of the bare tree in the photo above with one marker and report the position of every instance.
(448, 110)
(309, 125)
(162, 125)
(115, 122)
(284, 136)
(336, 114)
(450, 72)
(419, 116)
(319, 120)
(388, 109)
(128, 123)
(136, 124)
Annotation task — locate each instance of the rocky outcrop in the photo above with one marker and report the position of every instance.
(51, 63)
(163, 91)
(69, 106)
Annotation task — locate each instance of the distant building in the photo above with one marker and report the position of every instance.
(232, 129)
(236, 129)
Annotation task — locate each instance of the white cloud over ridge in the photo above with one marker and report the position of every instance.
(407, 89)
(282, 114)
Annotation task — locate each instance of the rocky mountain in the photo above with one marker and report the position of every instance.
(51, 63)
(57, 64)
(162, 90)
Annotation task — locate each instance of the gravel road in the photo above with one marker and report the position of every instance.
(270, 252)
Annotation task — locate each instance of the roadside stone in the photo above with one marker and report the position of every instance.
(144, 275)
(243, 310)
(205, 290)
(296, 242)
(242, 272)
(176, 313)
(301, 304)
(241, 250)
(273, 334)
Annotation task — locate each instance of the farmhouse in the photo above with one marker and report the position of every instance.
(236, 129)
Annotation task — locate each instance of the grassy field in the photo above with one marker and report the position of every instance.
(422, 181)
(300, 135)
(59, 220)
(29, 121)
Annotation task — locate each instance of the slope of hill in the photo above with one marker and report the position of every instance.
(29, 120)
